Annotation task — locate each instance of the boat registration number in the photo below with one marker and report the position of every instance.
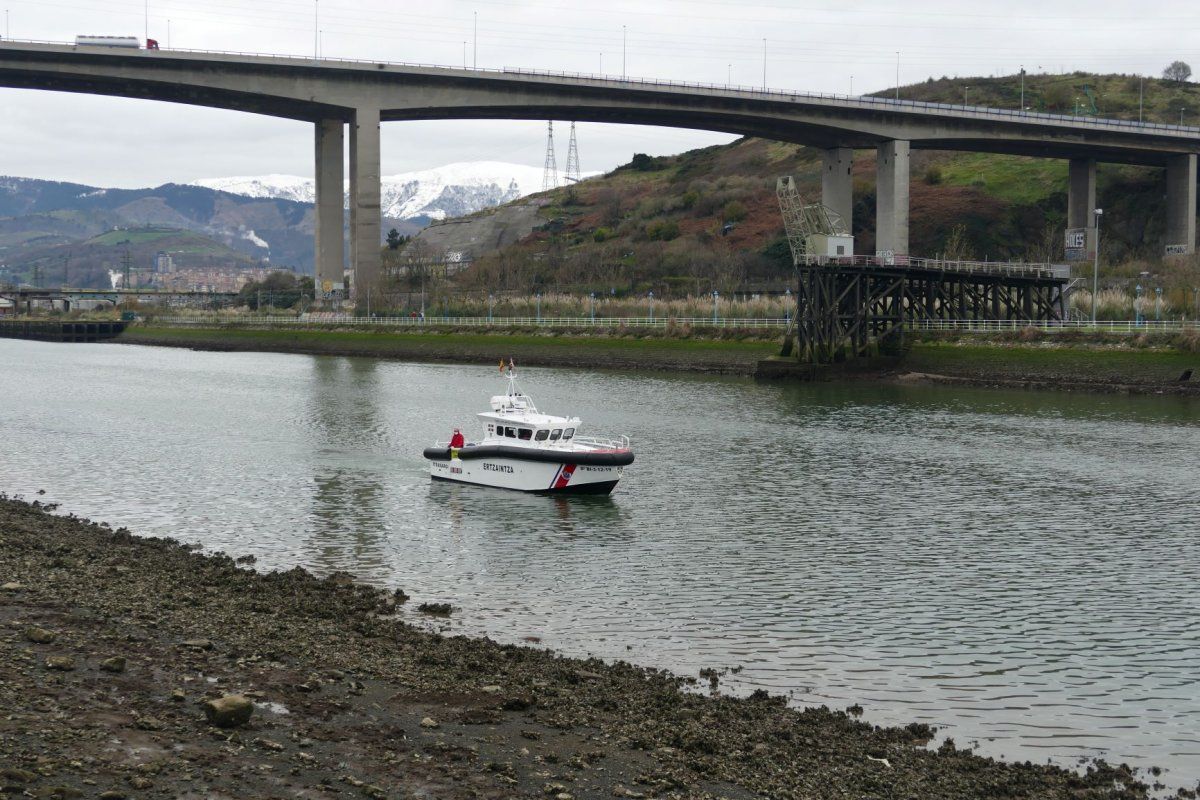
(497, 467)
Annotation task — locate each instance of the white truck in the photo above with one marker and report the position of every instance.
(127, 42)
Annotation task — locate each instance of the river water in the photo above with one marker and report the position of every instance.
(1021, 570)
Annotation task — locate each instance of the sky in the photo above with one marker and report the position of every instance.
(838, 46)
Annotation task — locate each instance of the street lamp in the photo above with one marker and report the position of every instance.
(651, 295)
(1157, 303)
(1137, 305)
(1099, 212)
(491, 305)
(593, 307)
(966, 90)
(716, 300)
(787, 306)
(539, 308)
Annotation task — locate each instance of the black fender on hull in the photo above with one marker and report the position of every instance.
(599, 458)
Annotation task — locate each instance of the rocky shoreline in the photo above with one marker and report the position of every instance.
(127, 666)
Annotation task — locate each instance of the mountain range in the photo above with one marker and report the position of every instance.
(243, 219)
(453, 190)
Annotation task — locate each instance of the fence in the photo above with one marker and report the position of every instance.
(325, 320)
(1106, 326)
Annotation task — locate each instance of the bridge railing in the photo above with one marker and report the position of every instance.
(1005, 268)
(778, 94)
(323, 319)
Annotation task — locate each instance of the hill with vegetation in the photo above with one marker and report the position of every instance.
(88, 263)
(709, 219)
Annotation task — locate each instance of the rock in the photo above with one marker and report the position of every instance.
(113, 794)
(140, 782)
(39, 635)
(149, 724)
(178, 696)
(18, 775)
(436, 609)
(229, 711)
(11, 586)
(490, 689)
(267, 744)
(61, 663)
(198, 644)
(114, 664)
(430, 722)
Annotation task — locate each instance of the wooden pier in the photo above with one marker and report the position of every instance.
(45, 330)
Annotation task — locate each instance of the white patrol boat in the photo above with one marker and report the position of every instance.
(526, 450)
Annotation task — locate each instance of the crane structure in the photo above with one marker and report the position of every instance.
(813, 231)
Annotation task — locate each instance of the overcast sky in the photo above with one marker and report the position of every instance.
(825, 45)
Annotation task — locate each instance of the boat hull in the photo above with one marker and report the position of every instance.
(563, 477)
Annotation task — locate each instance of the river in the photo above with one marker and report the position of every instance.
(1020, 569)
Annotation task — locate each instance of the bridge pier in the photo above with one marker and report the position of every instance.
(837, 188)
(329, 232)
(366, 221)
(1081, 199)
(891, 197)
(1181, 205)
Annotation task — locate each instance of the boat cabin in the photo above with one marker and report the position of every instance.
(514, 418)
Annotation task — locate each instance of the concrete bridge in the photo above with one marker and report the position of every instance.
(334, 94)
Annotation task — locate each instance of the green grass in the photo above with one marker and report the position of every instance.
(573, 350)
(110, 238)
(1069, 363)
(1015, 179)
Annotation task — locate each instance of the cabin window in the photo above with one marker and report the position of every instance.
(511, 433)
(541, 435)
(491, 428)
(568, 433)
(524, 434)
(555, 434)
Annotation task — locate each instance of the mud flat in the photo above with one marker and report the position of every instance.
(111, 644)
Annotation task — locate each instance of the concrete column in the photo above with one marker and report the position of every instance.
(330, 219)
(837, 189)
(1181, 204)
(1081, 194)
(891, 197)
(366, 222)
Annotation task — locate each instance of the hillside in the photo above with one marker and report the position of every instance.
(88, 263)
(709, 219)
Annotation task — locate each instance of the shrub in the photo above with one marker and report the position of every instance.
(602, 234)
(662, 230)
(933, 175)
(734, 211)
(689, 198)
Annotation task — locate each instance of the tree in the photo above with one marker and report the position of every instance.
(1177, 71)
(394, 239)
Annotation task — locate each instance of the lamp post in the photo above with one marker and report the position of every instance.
(539, 308)
(1137, 305)
(1099, 212)
(966, 91)
(592, 306)
(491, 305)
(1157, 303)
(716, 300)
(651, 296)
(1022, 87)
(787, 306)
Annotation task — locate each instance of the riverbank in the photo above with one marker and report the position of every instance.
(1070, 361)
(735, 353)
(111, 643)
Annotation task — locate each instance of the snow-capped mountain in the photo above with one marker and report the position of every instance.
(449, 191)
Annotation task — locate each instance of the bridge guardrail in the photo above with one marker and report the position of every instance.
(1102, 122)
